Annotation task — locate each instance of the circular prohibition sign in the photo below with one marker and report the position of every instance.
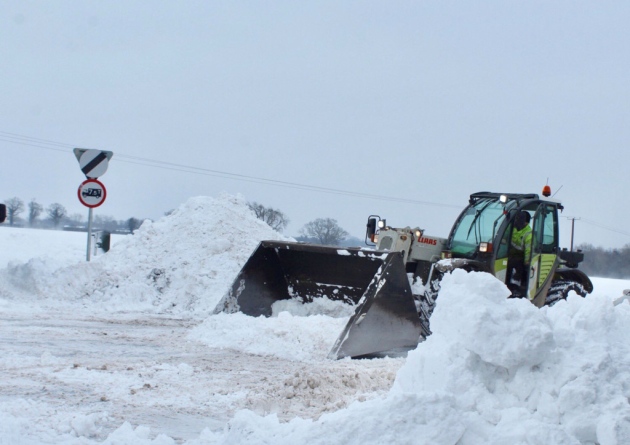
(92, 193)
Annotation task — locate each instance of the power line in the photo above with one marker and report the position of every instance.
(19, 136)
(52, 145)
(603, 226)
(31, 144)
(595, 224)
(48, 144)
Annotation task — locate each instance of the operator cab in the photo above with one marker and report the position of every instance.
(482, 236)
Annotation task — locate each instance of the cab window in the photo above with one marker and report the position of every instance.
(546, 230)
(549, 229)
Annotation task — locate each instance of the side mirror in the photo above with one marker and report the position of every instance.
(3, 213)
(370, 231)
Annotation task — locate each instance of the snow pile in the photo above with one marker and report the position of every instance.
(182, 263)
(495, 371)
(319, 306)
(288, 336)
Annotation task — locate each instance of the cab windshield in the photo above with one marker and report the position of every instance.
(479, 224)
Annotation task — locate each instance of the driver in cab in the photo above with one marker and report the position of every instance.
(520, 252)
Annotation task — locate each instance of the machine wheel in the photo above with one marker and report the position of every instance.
(560, 289)
(426, 302)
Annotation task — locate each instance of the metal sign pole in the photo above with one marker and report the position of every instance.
(89, 235)
(91, 192)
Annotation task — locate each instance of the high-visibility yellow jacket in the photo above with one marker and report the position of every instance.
(522, 242)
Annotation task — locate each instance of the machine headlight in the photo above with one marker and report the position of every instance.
(381, 224)
(485, 247)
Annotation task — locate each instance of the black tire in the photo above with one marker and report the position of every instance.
(560, 289)
(426, 302)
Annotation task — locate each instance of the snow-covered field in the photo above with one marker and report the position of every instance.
(124, 350)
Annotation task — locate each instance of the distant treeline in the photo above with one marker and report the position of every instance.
(606, 263)
(55, 216)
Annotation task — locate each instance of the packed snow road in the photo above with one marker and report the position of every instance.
(146, 372)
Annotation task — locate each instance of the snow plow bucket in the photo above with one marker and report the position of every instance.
(385, 319)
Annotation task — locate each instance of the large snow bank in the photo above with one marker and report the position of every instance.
(495, 371)
(182, 263)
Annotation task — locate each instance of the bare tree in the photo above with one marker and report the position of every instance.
(75, 219)
(15, 206)
(133, 224)
(273, 217)
(106, 222)
(325, 231)
(34, 210)
(56, 213)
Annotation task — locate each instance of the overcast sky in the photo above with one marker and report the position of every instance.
(419, 102)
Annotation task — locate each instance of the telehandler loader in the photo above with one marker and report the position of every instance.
(390, 318)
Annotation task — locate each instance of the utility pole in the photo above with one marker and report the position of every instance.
(572, 218)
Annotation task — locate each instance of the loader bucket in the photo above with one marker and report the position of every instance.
(385, 319)
(282, 270)
(386, 322)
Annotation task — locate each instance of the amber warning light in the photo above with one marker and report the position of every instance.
(546, 191)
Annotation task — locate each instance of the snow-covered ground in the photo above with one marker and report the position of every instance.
(124, 350)
(21, 245)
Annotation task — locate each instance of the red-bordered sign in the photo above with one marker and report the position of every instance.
(92, 193)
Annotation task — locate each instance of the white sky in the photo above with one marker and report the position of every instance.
(424, 101)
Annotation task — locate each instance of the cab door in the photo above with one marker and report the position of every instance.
(544, 254)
